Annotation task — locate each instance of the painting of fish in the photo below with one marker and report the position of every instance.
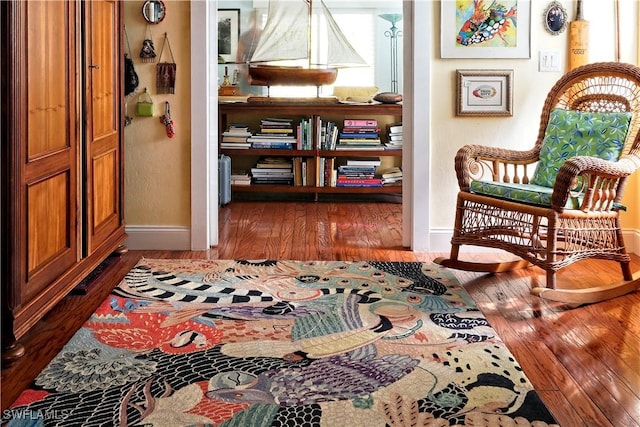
(490, 23)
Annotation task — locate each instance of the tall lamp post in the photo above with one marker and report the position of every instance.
(393, 33)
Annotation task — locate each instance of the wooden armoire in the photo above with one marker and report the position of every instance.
(62, 152)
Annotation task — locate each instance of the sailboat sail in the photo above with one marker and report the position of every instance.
(340, 51)
(286, 36)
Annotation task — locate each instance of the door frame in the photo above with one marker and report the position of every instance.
(204, 125)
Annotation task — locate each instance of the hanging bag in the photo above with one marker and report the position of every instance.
(148, 53)
(165, 119)
(131, 80)
(144, 105)
(166, 71)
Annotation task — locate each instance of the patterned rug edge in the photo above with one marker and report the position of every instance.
(275, 343)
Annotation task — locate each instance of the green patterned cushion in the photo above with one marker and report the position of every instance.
(526, 193)
(574, 133)
(529, 194)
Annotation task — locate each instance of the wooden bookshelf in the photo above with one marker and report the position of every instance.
(252, 113)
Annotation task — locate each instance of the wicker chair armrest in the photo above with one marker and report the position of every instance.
(602, 174)
(470, 159)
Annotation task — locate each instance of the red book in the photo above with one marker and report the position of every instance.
(345, 180)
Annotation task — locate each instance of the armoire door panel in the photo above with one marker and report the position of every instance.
(47, 77)
(105, 168)
(50, 147)
(103, 127)
(47, 228)
(104, 107)
(51, 241)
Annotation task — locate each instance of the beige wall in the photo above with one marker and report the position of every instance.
(157, 168)
(631, 218)
(157, 181)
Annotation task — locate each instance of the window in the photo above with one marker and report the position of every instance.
(359, 29)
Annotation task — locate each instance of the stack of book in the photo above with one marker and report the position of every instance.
(272, 170)
(303, 171)
(394, 137)
(327, 134)
(359, 173)
(240, 177)
(360, 134)
(235, 137)
(305, 134)
(391, 176)
(274, 133)
(326, 175)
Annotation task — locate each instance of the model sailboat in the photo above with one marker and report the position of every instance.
(287, 36)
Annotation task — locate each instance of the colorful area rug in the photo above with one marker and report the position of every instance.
(283, 343)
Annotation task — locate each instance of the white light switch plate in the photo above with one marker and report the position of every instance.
(549, 61)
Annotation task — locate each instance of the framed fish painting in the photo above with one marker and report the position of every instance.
(484, 92)
(485, 29)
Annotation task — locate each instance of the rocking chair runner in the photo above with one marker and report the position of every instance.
(588, 145)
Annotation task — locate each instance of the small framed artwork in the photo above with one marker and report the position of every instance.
(228, 34)
(484, 92)
(485, 29)
(555, 18)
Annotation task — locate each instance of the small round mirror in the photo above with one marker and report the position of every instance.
(153, 11)
(555, 18)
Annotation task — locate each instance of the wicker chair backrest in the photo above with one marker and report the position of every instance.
(598, 87)
(602, 104)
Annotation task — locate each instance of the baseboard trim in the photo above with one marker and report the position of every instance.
(158, 237)
(440, 241)
(632, 240)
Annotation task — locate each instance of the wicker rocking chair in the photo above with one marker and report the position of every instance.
(588, 145)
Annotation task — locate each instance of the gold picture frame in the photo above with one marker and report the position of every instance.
(484, 92)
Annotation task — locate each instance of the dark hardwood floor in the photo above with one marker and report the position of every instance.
(584, 361)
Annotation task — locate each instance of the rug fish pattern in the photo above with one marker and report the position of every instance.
(283, 343)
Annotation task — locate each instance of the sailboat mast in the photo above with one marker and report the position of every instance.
(309, 29)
